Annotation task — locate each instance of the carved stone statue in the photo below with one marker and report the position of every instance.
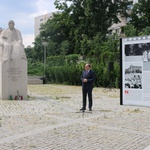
(13, 64)
(11, 43)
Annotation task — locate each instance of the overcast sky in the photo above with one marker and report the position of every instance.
(23, 13)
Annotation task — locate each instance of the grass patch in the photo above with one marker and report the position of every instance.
(32, 146)
(103, 110)
(134, 111)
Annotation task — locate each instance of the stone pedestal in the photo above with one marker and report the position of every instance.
(13, 79)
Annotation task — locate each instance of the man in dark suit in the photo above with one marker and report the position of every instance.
(87, 79)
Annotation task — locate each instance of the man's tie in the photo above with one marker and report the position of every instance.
(86, 73)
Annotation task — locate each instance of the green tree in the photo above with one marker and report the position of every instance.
(38, 49)
(30, 53)
(86, 18)
(145, 31)
(64, 47)
(129, 30)
(140, 17)
(78, 24)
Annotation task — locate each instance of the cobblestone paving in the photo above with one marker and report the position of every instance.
(52, 121)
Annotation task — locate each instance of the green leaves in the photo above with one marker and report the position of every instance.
(140, 17)
(130, 30)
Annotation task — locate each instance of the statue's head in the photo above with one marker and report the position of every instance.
(11, 24)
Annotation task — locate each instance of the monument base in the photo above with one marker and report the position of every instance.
(13, 79)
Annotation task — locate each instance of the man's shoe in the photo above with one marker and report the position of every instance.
(82, 109)
(90, 109)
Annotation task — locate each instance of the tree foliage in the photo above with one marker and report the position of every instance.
(82, 28)
(129, 30)
(79, 23)
(140, 17)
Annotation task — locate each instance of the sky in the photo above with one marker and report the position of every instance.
(23, 13)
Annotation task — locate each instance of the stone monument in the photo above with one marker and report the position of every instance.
(13, 64)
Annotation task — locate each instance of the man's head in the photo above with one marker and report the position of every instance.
(11, 24)
(87, 67)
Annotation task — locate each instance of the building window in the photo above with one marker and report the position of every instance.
(41, 19)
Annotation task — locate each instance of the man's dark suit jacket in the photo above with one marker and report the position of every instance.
(90, 79)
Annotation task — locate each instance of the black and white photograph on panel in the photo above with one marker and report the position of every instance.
(133, 76)
(137, 52)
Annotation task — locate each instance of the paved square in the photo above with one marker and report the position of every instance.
(50, 120)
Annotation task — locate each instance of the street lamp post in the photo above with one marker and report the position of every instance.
(44, 43)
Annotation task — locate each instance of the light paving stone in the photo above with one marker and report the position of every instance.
(46, 122)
